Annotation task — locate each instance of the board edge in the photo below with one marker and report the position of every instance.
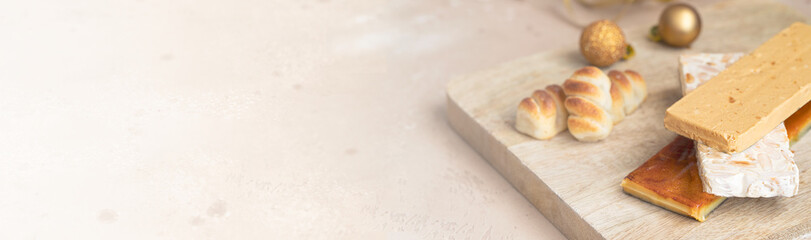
(558, 212)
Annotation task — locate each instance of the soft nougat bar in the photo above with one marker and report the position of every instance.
(766, 169)
(739, 106)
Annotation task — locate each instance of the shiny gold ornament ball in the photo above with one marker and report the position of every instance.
(679, 25)
(602, 43)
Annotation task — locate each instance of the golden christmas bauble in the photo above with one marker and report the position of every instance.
(602, 43)
(679, 25)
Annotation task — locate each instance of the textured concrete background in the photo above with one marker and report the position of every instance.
(260, 119)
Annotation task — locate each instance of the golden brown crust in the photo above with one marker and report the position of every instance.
(617, 102)
(635, 76)
(591, 83)
(573, 87)
(581, 125)
(542, 115)
(557, 91)
(589, 71)
(619, 79)
(587, 121)
(589, 102)
(545, 102)
(587, 129)
(580, 106)
(530, 106)
(639, 83)
(562, 114)
(632, 87)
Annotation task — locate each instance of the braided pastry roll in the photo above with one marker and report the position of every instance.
(617, 111)
(589, 103)
(542, 115)
(632, 86)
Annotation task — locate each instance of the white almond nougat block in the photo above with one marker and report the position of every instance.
(697, 68)
(766, 169)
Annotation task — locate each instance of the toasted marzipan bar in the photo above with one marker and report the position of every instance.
(670, 180)
(798, 123)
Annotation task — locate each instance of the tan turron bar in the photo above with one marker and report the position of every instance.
(750, 98)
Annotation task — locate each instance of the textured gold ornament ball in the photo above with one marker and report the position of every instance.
(602, 43)
(679, 25)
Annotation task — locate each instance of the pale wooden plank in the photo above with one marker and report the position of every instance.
(576, 185)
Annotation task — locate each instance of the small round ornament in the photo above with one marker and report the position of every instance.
(679, 25)
(602, 43)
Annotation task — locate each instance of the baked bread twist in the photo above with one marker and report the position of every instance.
(617, 111)
(542, 115)
(632, 86)
(589, 103)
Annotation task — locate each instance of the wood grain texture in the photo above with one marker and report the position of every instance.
(576, 185)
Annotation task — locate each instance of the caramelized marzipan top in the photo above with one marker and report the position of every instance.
(672, 173)
(798, 121)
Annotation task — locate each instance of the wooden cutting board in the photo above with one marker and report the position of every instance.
(576, 185)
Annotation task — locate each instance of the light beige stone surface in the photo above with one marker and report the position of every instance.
(147, 119)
